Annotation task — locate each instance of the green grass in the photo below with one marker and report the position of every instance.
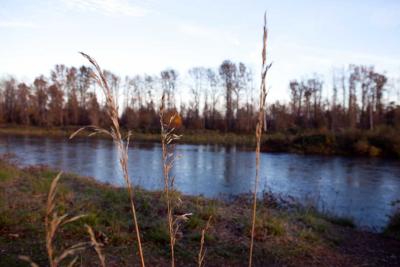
(313, 221)
(7, 173)
(283, 237)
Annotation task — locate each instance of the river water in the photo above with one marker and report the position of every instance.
(359, 188)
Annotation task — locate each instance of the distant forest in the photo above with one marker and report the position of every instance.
(221, 99)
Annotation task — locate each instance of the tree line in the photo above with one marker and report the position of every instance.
(214, 99)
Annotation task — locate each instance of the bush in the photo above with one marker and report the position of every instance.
(386, 139)
(374, 151)
(276, 142)
(320, 143)
(361, 147)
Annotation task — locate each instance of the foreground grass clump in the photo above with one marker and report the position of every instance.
(283, 236)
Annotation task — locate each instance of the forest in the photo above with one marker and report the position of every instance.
(355, 111)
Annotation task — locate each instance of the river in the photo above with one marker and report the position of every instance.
(359, 188)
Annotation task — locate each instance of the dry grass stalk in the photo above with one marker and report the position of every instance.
(122, 143)
(97, 246)
(259, 128)
(52, 223)
(202, 251)
(28, 260)
(168, 137)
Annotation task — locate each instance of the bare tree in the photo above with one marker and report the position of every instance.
(228, 72)
(56, 102)
(93, 109)
(114, 81)
(41, 95)
(10, 88)
(83, 84)
(213, 82)
(352, 106)
(72, 114)
(197, 88)
(168, 84)
(22, 108)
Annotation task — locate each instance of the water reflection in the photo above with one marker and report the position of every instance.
(357, 187)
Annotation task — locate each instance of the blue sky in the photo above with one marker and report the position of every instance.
(129, 37)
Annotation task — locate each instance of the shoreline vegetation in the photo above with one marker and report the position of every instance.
(286, 234)
(381, 142)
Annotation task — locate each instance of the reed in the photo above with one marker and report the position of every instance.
(259, 130)
(122, 143)
(168, 137)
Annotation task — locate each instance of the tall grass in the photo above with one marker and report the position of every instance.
(202, 250)
(53, 222)
(168, 137)
(259, 129)
(97, 246)
(122, 143)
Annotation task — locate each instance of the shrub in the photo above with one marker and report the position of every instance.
(269, 226)
(361, 147)
(374, 151)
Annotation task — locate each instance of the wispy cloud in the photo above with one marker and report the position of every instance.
(18, 24)
(108, 7)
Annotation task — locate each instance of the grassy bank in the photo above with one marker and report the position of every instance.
(189, 137)
(286, 235)
(383, 142)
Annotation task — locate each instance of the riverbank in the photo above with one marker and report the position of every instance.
(286, 234)
(382, 142)
(189, 137)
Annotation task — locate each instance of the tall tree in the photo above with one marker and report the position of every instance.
(59, 77)
(72, 114)
(228, 72)
(168, 85)
(83, 84)
(352, 106)
(93, 109)
(213, 90)
(56, 103)
(10, 100)
(41, 96)
(197, 87)
(22, 108)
